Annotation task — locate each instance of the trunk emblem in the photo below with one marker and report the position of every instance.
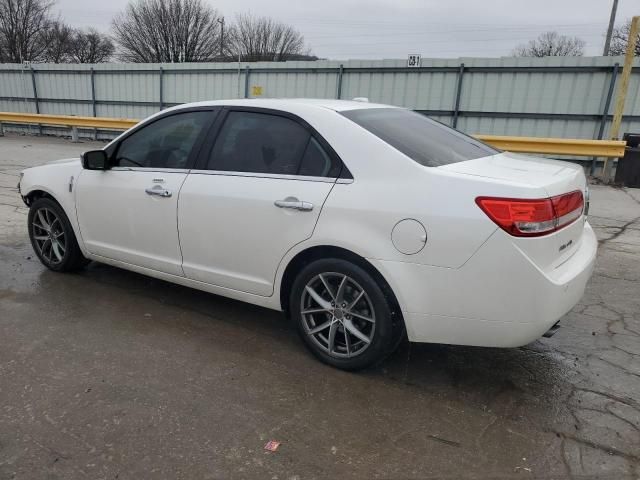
(565, 246)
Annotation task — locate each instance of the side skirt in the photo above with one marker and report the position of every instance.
(267, 302)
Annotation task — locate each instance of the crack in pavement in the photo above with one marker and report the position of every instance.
(620, 231)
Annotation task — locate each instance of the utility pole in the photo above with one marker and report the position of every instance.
(221, 22)
(622, 89)
(626, 74)
(612, 21)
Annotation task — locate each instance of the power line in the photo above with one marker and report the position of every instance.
(427, 32)
(422, 24)
(427, 41)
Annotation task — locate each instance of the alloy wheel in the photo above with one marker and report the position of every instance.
(338, 314)
(49, 236)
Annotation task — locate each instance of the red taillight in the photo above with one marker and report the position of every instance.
(568, 207)
(532, 218)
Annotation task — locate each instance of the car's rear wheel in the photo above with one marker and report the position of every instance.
(342, 314)
(52, 237)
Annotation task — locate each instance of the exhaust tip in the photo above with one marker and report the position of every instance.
(552, 331)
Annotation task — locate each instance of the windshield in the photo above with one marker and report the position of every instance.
(422, 139)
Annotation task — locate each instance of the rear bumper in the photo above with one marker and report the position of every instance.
(499, 298)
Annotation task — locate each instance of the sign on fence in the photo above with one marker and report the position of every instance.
(413, 60)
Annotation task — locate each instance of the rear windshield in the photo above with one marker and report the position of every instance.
(426, 141)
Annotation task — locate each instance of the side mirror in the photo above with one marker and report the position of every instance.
(95, 160)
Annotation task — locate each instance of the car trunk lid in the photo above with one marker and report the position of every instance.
(554, 177)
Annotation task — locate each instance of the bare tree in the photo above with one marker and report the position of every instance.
(57, 38)
(619, 39)
(551, 44)
(167, 31)
(23, 24)
(90, 46)
(264, 39)
(4, 56)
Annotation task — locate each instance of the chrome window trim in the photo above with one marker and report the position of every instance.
(345, 181)
(263, 175)
(150, 169)
(234, 174)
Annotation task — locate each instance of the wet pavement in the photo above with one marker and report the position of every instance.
(109, 374)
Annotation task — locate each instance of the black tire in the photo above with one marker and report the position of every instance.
(349, 352)
(48, 242)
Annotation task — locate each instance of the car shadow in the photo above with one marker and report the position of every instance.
(530, 377)
(423, 365)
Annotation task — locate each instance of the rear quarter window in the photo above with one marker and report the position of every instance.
(422, 139)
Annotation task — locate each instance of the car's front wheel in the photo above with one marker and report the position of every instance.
(342, 314)
(52, 236)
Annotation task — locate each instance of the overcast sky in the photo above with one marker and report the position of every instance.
(343, 29)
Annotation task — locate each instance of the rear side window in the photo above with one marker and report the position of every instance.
(426, 141)
(259, 143)
(316, 162)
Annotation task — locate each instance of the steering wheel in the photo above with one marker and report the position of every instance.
(175, 158)
(120, 159)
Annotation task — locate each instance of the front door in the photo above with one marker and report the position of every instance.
(259, 192)
(129, 212)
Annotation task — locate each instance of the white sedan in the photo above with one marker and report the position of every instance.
(360, 221)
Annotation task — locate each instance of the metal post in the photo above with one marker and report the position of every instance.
(93, 91)
(238, 82)
(246, 82)
(339, 90)
(456, 108)
(93, 100)
(74, 135)
(161, 88)
(605, 111)
(35, 96)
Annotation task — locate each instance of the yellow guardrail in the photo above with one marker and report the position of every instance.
(557, 146)
(550, 146)
(68, 120)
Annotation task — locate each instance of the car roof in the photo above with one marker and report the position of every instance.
(287, 103)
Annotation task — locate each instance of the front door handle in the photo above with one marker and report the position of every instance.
(294, 204)
(160, 192)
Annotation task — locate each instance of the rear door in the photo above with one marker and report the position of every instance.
(257, 192)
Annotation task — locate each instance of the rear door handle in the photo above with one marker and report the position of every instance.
(294, 204)
(160, 192)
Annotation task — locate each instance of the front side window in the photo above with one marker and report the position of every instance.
(165, 143)
(259, 143)
(426, 141)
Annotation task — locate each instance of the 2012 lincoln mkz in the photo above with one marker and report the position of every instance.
(362, 222)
